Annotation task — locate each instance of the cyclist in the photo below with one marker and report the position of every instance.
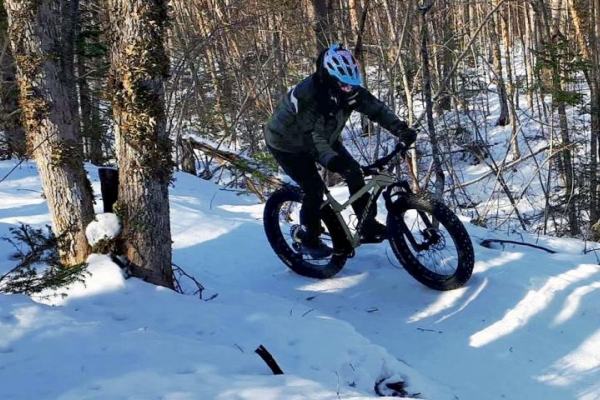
(306, 128)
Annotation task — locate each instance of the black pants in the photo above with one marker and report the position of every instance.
(301, 167)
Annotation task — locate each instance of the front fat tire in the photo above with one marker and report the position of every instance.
(290, 257)
(456, 232)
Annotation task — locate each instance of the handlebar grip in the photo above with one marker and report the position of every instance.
(380, 164)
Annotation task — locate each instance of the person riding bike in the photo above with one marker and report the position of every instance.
(306, 128)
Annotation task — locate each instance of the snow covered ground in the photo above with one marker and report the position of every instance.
(526, 326)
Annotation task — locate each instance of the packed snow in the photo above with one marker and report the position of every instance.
(526, 326)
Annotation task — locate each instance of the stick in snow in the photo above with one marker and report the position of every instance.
(268, 358)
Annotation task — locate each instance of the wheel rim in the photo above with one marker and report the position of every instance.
(435, 249)
(289, 220)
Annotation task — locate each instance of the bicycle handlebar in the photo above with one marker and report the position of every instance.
(380, 164)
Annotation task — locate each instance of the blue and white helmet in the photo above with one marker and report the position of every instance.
(340, 64)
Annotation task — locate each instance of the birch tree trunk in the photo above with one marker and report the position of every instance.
(495, 34)
(139, 66)
(39, 43)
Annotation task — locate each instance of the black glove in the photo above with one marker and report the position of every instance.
(406, 135)
(403, 149)
(336, 164)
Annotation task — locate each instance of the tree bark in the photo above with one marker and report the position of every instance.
(595, 110)
(38, 38)
(495, 34)
(437, 163)
(504, 21)
(139, 66)
(321, 23)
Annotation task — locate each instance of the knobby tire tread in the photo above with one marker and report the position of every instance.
(456, 231)
(290, 258)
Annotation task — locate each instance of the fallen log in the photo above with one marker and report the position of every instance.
(255, 174)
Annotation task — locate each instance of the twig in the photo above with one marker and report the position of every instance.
(311, 310)
(238, 347)
(429, 330)
(487, 242)
(268, 358)
(178, 272)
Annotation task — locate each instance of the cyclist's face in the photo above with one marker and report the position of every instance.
(346, 88)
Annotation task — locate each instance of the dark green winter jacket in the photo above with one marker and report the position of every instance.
(305, 122)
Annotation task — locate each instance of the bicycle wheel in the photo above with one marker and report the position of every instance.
(430, 241)
(281, 217)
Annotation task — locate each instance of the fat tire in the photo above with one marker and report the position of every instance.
(292, 259)
(456, 230)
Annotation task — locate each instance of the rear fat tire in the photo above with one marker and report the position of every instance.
(287, 254)
(455, 230)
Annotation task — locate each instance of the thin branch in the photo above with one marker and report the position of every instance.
(462, 55)
(487, 242)
(507, 166)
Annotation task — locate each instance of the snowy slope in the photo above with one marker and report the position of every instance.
(525, 326)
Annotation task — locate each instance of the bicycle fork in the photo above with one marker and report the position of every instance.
(395, 202)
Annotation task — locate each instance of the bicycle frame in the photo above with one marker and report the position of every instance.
(378, 182)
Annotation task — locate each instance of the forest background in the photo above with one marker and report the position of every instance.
(151, 87)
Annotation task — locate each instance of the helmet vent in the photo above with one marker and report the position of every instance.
(341, 65)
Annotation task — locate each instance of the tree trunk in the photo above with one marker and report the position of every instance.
(10, 122)
(591, 55)
(139, 66)
(495, 34)
(188, 158)
(510, 86)
(551, 27)
(595, 110)
(91, 124)
(321, 23)
(39, 41)
(528, 44)
(445, 60)
(435, 147)
(88, 59)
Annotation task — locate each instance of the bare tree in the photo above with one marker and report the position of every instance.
(424, 8)
(43, 47)
(495, 35)
(232, 63)
(139, 67)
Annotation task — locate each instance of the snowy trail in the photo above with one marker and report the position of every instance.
(524, 327)
(518, 325)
